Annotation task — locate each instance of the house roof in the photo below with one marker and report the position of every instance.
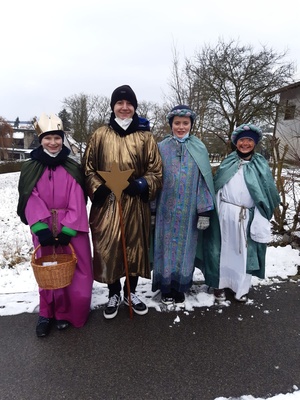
(18, 135)
(73, 142)
(285, 88)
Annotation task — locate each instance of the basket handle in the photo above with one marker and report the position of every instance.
(39, 246)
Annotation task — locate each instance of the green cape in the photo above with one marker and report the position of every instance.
(263, 191)
(210, 270)
(31, 172)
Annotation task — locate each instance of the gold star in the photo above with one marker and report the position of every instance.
(116, 180)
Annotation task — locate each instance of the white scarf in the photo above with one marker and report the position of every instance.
(51, 154)
(124, 123)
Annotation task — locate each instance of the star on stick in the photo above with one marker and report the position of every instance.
(115, 179)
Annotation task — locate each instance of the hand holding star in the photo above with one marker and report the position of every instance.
(116, 180)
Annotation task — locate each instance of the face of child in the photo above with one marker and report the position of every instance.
(181, 126)
(123, 109)
(52, 143)
(245, 145)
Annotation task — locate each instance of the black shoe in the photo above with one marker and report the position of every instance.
(112, 307)
(62, 324)
(138, 306)
(219, 295)
(242, 299)
(167, 298)
(43, 327)
(179, 298)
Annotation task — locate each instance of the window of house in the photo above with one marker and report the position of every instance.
(289, 112)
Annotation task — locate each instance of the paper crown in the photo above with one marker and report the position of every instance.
(48, 123)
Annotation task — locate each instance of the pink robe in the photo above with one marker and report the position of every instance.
(58, 190)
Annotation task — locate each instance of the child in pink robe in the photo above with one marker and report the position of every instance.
(52, 202)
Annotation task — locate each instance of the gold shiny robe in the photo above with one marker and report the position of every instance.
(137, 151)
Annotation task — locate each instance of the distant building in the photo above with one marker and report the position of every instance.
(75, 147)
(288, 119)
(25, 139)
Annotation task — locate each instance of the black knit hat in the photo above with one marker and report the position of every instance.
(123, 93)
(59, 133)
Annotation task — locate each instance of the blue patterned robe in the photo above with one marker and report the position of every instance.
(184, 195)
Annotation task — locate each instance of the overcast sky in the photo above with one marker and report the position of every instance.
(54, 49)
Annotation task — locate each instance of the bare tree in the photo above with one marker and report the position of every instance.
(156, 114)
(178, 83)
(87, 113)
(66, 119)
(101, 113)
(286, 154)
(182, 91)
(227, 85)
(6, 138)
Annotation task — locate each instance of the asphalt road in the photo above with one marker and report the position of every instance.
(208, 353)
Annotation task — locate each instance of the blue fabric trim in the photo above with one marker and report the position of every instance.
(142, 183)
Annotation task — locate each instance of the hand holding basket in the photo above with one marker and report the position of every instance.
(57, 275)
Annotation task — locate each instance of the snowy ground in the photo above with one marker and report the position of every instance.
(18, 289)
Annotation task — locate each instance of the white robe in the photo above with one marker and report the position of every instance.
(233, 223)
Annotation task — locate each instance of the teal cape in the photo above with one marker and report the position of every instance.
(199, 153)
(263, 191)
(31, 172)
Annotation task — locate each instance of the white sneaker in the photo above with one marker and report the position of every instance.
(112, 307)
(138, 306)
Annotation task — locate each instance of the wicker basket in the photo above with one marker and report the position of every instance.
(54, 276)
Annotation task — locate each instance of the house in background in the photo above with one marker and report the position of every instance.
(288, 120)
(25, 139)
(75, 147)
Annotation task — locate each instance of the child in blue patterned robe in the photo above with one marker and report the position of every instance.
(183, 207)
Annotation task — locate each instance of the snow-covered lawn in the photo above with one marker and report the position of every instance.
(19, 291)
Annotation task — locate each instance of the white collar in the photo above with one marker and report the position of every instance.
(124, 123)
(183, 139)
(51, 154)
